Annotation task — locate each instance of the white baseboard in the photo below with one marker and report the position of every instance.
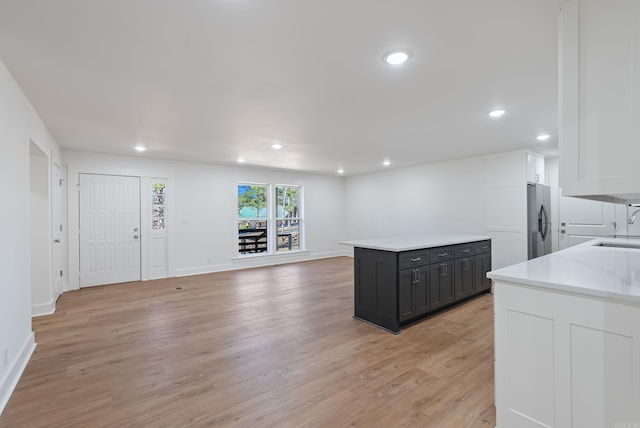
(16, 368)
(43, 309)
(260, 261)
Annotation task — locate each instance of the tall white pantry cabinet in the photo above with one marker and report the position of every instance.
(504, 192)
(600, 99)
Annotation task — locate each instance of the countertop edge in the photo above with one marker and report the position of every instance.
(537, 273)
(375, 244)
(570, 289)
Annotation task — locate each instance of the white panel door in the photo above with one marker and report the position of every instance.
(109, 229)
(56, 229)
(582, 220)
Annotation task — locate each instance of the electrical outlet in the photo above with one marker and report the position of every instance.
(6, 356)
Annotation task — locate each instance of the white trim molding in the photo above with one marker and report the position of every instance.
(43, 309)
(16, 368)
(244, 262)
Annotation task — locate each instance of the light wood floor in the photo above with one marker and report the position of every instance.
(266, 347)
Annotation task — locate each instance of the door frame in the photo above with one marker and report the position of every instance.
(57, 229)
(73, 220)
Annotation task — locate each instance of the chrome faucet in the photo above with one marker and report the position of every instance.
(632, 217)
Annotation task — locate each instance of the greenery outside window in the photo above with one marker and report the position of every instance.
(288, 218)
(252, 219)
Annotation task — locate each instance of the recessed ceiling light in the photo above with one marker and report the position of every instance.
(341, 171)
(497, 113)
(140, 148)
(241, 160)
(276, 146)
(543, 137)
(386, 163)
(397, 56)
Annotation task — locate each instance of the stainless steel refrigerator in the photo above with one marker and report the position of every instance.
(538, 219)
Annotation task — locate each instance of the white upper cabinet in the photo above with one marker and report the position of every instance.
(535, 168)
(600, 99)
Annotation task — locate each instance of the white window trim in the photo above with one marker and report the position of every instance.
(300, 218)
(271, 222)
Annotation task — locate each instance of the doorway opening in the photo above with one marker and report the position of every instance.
(41, 296)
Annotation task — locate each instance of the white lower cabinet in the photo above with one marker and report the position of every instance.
(565, 360)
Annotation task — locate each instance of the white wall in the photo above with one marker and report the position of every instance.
(18, 125)
(202, 209)
(443, 197)
(483, 196)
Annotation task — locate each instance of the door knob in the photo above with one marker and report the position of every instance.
(135, 229)
(135, 236)
(57, 241)
(563, 231)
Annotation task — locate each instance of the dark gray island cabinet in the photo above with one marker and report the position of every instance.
(396, 283)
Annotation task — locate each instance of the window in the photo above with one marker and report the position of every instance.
(157, 206)
(269, 218)
(288, 218)
(252, 219)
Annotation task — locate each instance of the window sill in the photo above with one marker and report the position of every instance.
(263, 256)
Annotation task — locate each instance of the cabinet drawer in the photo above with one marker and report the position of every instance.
(413, 258)
(441, 254)
(482, 247)
(463, 250)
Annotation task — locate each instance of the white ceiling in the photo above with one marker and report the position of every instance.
(214, 80)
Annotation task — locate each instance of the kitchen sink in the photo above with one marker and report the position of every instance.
(631, 245)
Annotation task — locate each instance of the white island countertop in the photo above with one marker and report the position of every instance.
(587, 269)
(413, 243)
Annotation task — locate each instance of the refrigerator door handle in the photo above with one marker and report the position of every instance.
(546, 223)
(540, 214)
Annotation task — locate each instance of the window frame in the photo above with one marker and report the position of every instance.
(300, 217)
(266, 219)
(271, 201)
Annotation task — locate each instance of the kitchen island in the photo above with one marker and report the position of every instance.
(400, 280)
(567, 338)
